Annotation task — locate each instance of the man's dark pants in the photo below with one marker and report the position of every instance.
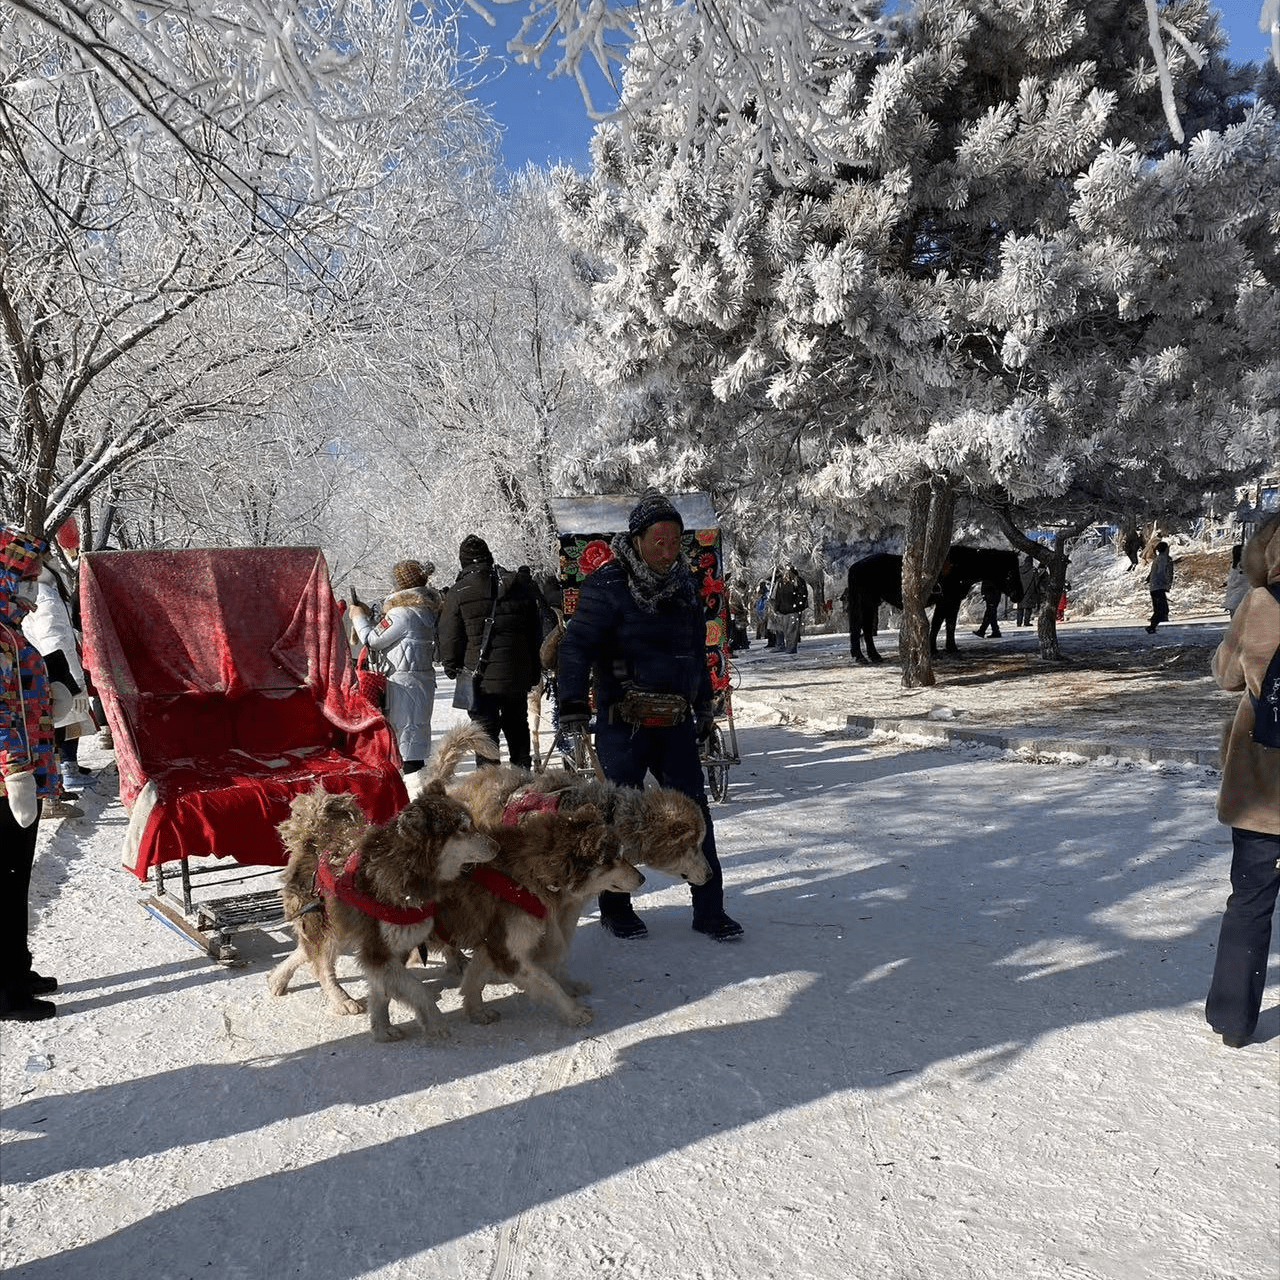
(17, 854)
(1159, 608)
(1240, 969)
(510, 714)
(671, 755)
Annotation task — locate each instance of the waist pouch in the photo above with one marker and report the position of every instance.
(648, 710)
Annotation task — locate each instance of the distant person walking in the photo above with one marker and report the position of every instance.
(761, 607)
(1236, 586)
(1160, 581)
(790, 600)
(1032, 578)
(1248, 798)
(992, 590)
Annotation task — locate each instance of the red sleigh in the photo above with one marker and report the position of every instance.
(228, 687)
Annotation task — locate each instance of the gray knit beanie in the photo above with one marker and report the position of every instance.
(652, 507)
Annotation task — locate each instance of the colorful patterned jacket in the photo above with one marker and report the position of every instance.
(26, 715)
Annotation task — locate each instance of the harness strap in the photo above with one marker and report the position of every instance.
(344, 887)
(529, 802)
(505, 887)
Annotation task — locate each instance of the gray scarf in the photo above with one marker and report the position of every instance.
(648, 587)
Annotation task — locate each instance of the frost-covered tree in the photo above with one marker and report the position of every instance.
(738, 52)
(467, 394)
(205, 75)
(1021, 289)
(143, 304)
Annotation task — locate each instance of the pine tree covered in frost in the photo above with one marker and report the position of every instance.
(206, 73)
(1021, 290)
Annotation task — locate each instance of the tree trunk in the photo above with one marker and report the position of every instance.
(1055, 562)
(928, 536)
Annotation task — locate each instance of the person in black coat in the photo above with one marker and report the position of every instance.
(790, 600)
(992, 591)
(639, 628)
(511, 666)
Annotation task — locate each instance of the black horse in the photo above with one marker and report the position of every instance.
(877, 580)
(964, 569)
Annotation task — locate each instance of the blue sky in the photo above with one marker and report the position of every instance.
(545, 119)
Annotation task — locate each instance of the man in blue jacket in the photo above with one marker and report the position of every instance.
(639, 629)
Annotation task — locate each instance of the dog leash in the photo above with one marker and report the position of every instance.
(344, 888)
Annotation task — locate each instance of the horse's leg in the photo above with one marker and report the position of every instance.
(856, 626)
(870, 617)
(953, 612)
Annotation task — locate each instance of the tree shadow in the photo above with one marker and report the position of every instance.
(1014, 910)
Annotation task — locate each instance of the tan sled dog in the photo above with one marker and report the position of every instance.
(372, 890)
(655, 826)
(508, 913)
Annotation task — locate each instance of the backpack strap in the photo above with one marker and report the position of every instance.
(1266, 708)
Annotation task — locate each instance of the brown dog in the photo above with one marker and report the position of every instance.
(655, 826)
(349, 886)
(508, 921)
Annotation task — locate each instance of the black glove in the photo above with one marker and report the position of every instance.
(574, 717)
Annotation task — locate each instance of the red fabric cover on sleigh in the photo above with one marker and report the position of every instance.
(227, 682)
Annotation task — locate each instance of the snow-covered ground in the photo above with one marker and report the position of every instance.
(962, 1038)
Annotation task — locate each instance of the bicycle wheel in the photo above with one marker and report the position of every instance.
(715, 760)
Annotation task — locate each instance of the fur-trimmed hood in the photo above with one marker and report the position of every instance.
(414, 598)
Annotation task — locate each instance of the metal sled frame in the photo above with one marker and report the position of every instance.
(719, 754)
(210, 923)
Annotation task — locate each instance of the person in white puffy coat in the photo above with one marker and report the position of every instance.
(405, 639)
(50, 629)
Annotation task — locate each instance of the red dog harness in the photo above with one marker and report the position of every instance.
(505, 887)
(344, 887)
(530, 802)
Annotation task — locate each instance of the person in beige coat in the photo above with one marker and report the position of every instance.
(1248, 800)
